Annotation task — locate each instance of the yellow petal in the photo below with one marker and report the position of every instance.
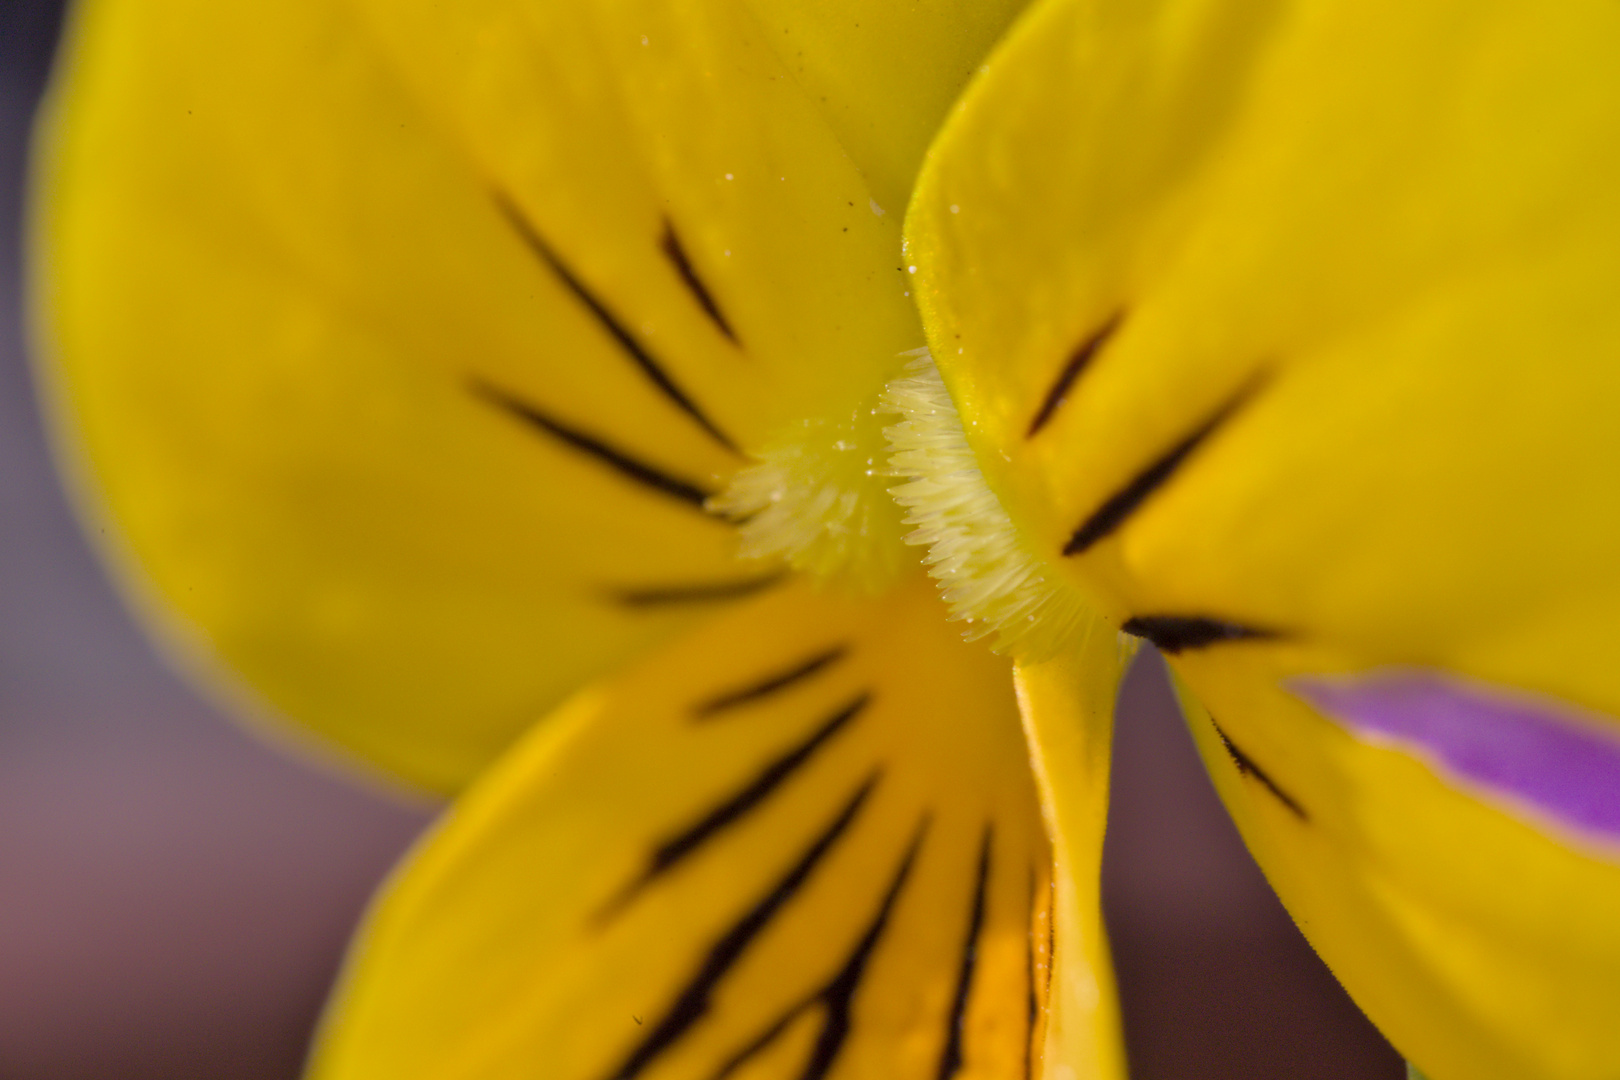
(394, 351)
(1068, 709)
(805, 836)
(1286, 330)
(1320, 229)
(1481, 941)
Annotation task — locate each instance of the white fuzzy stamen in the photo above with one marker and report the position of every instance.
(987, 573)
(817, 498)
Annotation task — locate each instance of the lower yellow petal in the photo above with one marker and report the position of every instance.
(1485, 946)
(803, 842)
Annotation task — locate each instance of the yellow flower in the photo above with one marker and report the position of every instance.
(405, 353)
(501, 393)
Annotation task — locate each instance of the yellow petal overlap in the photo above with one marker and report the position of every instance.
(802, 842)
(396, 347)
(1286, 331)
(885, 74)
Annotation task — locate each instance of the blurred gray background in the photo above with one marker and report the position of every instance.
(174, 896)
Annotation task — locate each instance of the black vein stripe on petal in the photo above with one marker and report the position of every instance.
(771, 684)
(1079, 359)
(1246, 767)
(837, 996)
(683, 266)
(649, 476)
(950, 1059)
(1051, 936)
(697, 592)
(693, 1001)
(1124, 502)
(643, 360)
(1177, 633)
(736, 806)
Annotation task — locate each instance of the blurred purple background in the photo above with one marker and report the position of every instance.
(174, 896)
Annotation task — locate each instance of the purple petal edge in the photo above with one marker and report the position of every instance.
(1553, 757)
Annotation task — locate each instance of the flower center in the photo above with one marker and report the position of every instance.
(823, 497)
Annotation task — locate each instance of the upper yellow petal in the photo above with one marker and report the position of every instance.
(1372, 247)
(394, 347)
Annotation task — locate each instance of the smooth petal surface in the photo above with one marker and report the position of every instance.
(395, 347)
(1287, 331)
(802, 842)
